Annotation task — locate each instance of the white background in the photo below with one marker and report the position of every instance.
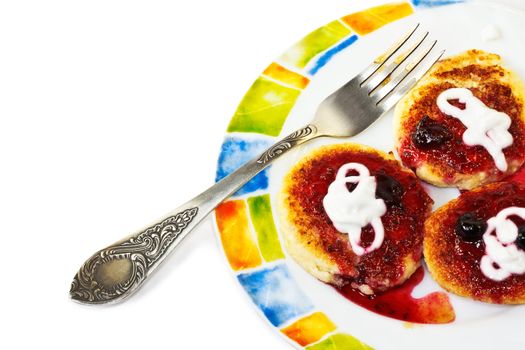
(112, 113)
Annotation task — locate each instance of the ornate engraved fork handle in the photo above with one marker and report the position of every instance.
(120, 268)
(115, 272)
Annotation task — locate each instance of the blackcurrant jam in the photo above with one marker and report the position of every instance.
(520, 241)
(388, 189)
(430, 134)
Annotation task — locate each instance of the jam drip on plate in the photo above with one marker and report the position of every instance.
(398, 303)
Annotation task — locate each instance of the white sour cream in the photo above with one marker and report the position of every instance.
(500, 246)
(485, 126)
(351, 211)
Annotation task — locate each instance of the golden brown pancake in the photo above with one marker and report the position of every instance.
(313, 241)
(453, 252)
(430, 142)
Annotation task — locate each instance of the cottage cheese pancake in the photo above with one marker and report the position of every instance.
(371, 236)
(474, 246)
(463, 124)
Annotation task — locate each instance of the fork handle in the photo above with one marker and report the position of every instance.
(118, 270)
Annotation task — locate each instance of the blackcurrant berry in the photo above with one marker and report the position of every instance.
(388, 189)
(430, 134)
(469, 228)
(520, 241)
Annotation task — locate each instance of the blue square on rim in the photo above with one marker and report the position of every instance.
(236, 151)
(276, 293)
(435, 3)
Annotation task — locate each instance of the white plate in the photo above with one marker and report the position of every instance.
(478, 325)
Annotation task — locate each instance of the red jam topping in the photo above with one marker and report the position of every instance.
(518, 176)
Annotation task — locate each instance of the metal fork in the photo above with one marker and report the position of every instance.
(115, 272)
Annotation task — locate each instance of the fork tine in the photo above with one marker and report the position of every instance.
(385, 73)
(391, 85)
(399, 90)
(380, 60)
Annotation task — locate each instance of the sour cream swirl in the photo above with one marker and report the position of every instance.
(502, 256)
(486, 127)
(351, 211)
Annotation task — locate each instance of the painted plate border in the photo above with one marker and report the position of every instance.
(245, 222)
